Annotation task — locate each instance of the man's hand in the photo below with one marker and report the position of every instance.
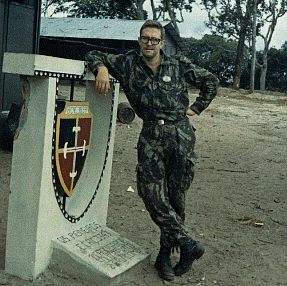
(103, 81)
(190, 112)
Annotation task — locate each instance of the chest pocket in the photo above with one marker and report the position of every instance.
(168, 94)
(141, 86)
(139, 79)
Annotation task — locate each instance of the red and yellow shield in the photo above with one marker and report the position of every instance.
(73, 138)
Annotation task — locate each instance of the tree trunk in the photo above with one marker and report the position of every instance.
(267, 41)
(253, 60)
(138, 5)
(154, 16)
(172, 15)
(239, 60)
(240, 46)
(263, 70)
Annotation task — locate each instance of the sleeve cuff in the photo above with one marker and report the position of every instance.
(197, 108)
(96, 66)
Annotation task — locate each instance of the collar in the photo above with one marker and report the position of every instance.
(166, 60)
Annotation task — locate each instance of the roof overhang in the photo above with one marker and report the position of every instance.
(105, 29)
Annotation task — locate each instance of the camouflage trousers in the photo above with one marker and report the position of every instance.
(164, 174)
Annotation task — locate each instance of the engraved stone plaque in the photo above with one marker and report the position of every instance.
(97, 254)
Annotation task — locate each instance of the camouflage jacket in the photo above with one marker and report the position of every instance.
(160, 96)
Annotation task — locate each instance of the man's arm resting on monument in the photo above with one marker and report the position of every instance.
(116, 64)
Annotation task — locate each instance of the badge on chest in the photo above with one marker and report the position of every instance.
(166, 78)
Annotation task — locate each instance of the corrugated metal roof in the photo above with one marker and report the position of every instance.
(91, 28)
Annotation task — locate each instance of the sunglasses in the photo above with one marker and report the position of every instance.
(154, 41)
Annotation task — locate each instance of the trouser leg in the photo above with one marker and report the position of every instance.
(180, 173)
(166, 210)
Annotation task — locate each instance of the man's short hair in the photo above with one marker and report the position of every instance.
(153, 24)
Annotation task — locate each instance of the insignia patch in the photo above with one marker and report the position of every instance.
(166, 78)
(73, 137)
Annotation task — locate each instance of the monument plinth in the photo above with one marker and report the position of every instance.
(98, 254)
(61, 171)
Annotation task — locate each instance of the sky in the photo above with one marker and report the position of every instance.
(194, 26)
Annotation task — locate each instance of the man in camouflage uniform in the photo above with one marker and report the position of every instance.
(156, 86)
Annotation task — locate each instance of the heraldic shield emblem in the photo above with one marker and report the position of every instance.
(72, 143)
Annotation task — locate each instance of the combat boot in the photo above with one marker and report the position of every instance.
(163, 264)
(188, 253)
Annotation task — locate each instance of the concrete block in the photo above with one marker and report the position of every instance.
(98, 255)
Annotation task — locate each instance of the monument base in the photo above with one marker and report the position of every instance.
(98, 255)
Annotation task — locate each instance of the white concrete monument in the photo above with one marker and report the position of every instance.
(60, 178)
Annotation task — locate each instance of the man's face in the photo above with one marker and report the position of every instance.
(150, 50)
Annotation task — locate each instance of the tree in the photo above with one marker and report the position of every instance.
(232, 19)
(46, 4)
(171, 7)
(137, 5)
(276, 77)
(272, 12)
(216, 54)
(121, 9)
(253, 49)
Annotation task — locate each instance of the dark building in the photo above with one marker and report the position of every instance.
(19, 33)
(73, 37)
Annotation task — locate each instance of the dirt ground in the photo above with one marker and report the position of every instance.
(236, 206)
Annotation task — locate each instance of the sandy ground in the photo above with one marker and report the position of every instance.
(236, 206)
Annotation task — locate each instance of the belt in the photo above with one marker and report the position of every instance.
(161, 122)
(164, 122)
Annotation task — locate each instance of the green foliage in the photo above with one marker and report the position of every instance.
(276, 78)
(216, 54)
(177, 5)
(227, 17)
(120, 9)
